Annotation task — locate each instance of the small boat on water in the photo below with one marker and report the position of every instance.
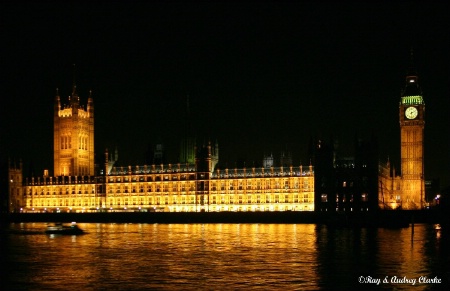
(59, 228)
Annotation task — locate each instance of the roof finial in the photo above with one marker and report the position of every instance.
(74, 88)
(412, 67)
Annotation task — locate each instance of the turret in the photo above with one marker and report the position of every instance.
(106, 166)
(57, 105)
(215, 156)
(203, 159)
(90, 105)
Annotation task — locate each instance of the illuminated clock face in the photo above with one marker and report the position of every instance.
(411, 112)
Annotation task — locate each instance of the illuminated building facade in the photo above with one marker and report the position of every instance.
(408, 190)
(191, 188)
(195, 184)
(180, 187)
(173, 188)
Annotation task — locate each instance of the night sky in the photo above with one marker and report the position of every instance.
(261, 77)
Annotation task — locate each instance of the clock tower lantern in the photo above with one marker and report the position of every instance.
(412, 123)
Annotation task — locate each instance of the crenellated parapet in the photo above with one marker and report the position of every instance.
(67, 112)
(264, 172)
(59, 180)
(152, 169)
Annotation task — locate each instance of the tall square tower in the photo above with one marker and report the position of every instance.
(412, 124)
(73, 152)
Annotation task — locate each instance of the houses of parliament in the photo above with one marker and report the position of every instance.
(195, 183)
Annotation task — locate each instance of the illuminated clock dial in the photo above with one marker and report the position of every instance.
(411, 112)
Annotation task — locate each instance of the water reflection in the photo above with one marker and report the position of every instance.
(381, 258)
(220, 257)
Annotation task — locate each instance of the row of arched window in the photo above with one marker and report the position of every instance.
(66, 142)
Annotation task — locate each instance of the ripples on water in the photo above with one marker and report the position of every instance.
(219, 257)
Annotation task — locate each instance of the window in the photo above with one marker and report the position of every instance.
(364, 197)
(324, 198)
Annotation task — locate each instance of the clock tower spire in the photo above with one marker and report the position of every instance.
(412, 123)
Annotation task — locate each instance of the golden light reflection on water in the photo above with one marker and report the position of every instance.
(219, 257)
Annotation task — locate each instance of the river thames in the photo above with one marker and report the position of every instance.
(225, 257)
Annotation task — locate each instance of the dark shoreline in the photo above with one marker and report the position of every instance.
(362, 219)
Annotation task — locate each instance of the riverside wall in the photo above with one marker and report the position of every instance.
(377, 218)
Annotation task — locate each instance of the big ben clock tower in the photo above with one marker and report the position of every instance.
(412, 123)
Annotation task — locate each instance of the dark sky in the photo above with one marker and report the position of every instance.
(261, 77)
